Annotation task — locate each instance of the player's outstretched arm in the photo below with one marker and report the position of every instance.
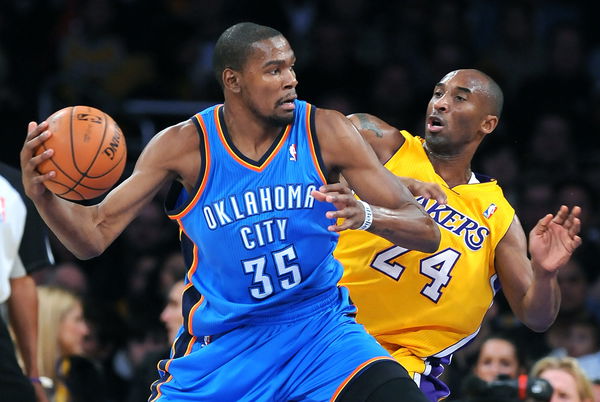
(88, 230)
(397, 216)
(530, 286)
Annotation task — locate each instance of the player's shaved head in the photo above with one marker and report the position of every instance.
(484, 84)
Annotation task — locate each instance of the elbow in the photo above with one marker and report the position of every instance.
(538, 322)
(539, 325)
(434, 237)
(87, 252)
(431, 237)
(539, 328)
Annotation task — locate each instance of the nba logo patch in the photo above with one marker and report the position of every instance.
(490, 210)
(293, 152)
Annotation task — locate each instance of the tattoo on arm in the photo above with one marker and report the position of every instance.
(366, 124)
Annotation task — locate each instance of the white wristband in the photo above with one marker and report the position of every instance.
(368, 216)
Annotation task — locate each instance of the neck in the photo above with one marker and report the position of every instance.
(251, 135)
(454, 169)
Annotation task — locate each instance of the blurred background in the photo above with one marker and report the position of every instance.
(148, 64)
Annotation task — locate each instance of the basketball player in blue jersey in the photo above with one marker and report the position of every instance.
(423, 306)
(264, 318)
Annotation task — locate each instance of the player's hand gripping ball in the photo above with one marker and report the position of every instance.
(89, 153)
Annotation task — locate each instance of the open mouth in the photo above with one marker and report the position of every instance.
(288, 100)
(435, 121)
(435, 124)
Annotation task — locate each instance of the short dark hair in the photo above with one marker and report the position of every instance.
(235, 45)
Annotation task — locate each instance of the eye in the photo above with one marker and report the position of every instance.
(275, 71)
(460, 98)
(437, 94)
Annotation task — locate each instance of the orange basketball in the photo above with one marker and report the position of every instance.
(89, 153)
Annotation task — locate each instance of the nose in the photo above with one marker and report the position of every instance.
(441, 104)
(164, 315)
(85, 329)
(289, 79)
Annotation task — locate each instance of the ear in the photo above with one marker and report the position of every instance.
(231, 80)
(489, 124)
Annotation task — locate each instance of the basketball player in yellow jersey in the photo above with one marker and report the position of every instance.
(423, 307)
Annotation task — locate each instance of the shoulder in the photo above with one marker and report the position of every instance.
(178, 133)
(174, 140)
(331, 121)
(340, 143)
(514, 237)
(335, 132)
(175, 149)
(383, 137)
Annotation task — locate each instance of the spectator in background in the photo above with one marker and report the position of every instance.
(172, 270)
(580, 192)
(498, 356)
(394, 81)
(535, 196)
(574, 287)
(566, 377)
(96, 66)
(172, 318)
(515, 53)
(574, 290)
(23, 248)
(503, 163)
(68, 275)
(62, 329)
(552, 148)
(564, 73)
(583, 343)
(596, 390)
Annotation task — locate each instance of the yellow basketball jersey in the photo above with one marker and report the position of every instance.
(422, 305)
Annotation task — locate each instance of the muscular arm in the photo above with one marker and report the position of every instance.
(383, 138)
(397, 216)
(88, 230)
(385, 141)
(530, 286)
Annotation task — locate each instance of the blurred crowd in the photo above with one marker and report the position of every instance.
(352, 55)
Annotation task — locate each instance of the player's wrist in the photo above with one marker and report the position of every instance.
(541, 272)
(368, 221)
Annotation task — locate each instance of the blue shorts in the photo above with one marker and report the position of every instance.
(309, 359)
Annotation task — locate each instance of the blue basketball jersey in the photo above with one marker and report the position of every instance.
(264, 319)
(257, 241)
